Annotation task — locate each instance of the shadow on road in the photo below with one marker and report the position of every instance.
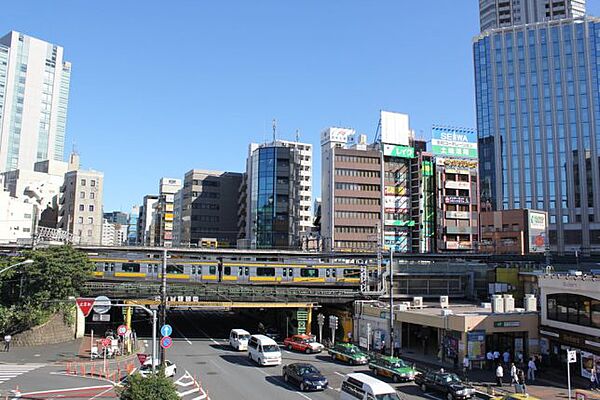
(242, 360)
(278, 381)
(227, 348)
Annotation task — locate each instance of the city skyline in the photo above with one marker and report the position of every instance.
(262, 64)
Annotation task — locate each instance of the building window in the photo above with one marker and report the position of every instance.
(89, 232)
(81, 207)
(83, 182)
(90, 220)
(82, 195)
(80, 220)
(92, 195)
(91, 207)
(93, 182)
(573, 309)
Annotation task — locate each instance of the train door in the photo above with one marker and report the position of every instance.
(243, 273)
(220, 270)
(331, 274)
(152, 271)
(287, 274)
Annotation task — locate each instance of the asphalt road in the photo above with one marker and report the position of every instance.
(201, 348)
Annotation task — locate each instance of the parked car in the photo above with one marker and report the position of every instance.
(349, 353)
(392, 367)
(304, 343)
(146, 369)
(306, 376)
(444, 382)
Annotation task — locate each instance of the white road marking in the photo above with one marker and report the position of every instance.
(9, 371)
(183, 336)
(339, 373)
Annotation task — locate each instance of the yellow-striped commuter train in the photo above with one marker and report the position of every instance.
(240, 272)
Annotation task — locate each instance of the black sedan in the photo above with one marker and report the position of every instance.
(306, 376)
(444, 382)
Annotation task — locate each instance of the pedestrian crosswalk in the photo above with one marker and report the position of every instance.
(9, 371)
(189, 389)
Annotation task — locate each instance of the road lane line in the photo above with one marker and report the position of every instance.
(183, 336)
(200, 330)
(339, 373)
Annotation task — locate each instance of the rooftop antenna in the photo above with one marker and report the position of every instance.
(297, 135)
(274, 129)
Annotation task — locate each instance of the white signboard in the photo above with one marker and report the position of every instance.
(395, 128)
(571, 356)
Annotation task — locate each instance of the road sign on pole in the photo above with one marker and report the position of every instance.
(571, 358)
(105, 342)
(166, 342)
(101, 304)
(166, 330)
(85, 305)
(142, 358)
(333, 324)
(122, 330)
(320, 322)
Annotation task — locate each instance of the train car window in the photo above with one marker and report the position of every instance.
(193, 270)
(265, 271)
(212, 270)
(328, 272)
(284, 271)
(156, 269)
(309, 272)
(240, 271)
(247, 271)
(333, 272)
(174, 269)
(290, 272)
(351, 273)
(130, 267)
(227, 270)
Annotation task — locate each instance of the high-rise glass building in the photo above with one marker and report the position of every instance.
(538, 119)
(34, 92)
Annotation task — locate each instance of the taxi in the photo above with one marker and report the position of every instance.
(392, 367)
(348, 353)
(304, 343)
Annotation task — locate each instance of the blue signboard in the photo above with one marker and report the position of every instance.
(166, 330)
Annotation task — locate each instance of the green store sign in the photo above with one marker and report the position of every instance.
(395, 222)
(427, 168)
(398, 151)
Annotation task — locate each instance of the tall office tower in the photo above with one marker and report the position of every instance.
(279, 194)
(538, 122)
(364, 184)
(145, 219)
(502, 13)
(209, 207)
(81, 206)
(34, 92)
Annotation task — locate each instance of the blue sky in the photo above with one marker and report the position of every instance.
(161, 87)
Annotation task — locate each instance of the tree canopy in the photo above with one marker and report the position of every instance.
(151, 387)
(30, 293)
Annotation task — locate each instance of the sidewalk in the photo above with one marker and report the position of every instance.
(53, 353)
(551, 386)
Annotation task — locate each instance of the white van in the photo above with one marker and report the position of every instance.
(238, 339)
(264, 350)
(364, 387)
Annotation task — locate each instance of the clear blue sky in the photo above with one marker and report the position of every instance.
(160, 87)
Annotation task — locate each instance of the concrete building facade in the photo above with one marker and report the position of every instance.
(209, 207)
(34, 93)
(17, 219)
(162, 221)
(513, 232)
(145, 219)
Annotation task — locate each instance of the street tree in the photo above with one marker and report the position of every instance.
(151, 387)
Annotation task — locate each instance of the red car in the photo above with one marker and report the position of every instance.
(304, 343)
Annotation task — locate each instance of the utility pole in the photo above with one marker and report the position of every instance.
(392, 301)
(380, 282)
(163, 303)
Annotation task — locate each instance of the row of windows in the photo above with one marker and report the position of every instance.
(356, 159)
(92, 182)
(356, 187)
(573, 309)
(90, 220)
(206, 195)
(357, 214)
(355, 172)
(205, 218)
(357, 201)
(90, 207)
(355, 229)
(205, 206)
(82, 195)
(349, 244)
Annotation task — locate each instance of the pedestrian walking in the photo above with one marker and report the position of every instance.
(531, 368)
(506, 357)
(397, 347)
(490, 359)
(521, 379)
(593, 379)
(466, 366)
(496, 356)
(513, 374)
(7, 339)
(499, 375)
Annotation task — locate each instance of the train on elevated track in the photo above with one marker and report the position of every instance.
(233, 272)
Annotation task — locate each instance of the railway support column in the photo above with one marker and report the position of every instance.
(308, 320)
(128, 317)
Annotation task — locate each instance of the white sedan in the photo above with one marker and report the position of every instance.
(146, 369)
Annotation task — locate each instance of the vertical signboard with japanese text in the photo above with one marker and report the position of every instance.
(537, 225)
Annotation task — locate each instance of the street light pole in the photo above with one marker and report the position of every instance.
(163, 302)
(391, 301)
(29, 261)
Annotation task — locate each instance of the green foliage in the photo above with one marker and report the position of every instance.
(30, 294)
(151, 387)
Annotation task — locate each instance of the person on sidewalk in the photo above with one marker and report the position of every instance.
(531, 368)
(466, 365)
(7, 339)
(499, 374)
(490, 359)
(496, 356)
(506, 357)
(521, 379)
(593, 379)
(513, 374)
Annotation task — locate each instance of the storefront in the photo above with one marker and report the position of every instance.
(570, 320)
(451, 333)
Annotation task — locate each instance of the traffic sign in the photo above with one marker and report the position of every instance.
(142, 358)
(166, 342)
(321, 319)
(122, 330)
(105, 342)
(166, 330)
(85, 305)
(101, 304)
(571, 356)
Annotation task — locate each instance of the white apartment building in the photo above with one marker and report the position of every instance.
(16, 219)
(113, 234)
(34, 93)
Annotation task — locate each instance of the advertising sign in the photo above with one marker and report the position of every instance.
(396, 203)
(395, 222)
(457, 185)
(537, 222)
(395, 190)
(457, 200)
(395, 128)
(398, 151)
(458, 214)
(427, 168)
(476, 345)
(396, 240)
(454, 142)
(453, 245)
